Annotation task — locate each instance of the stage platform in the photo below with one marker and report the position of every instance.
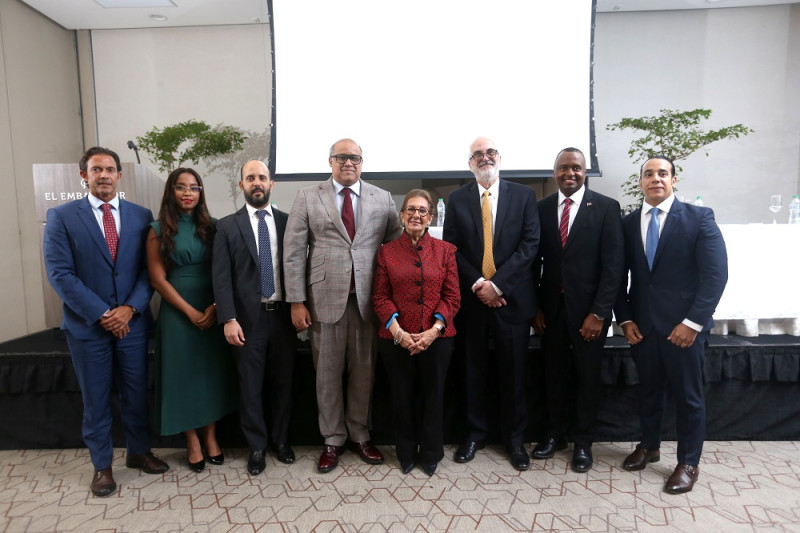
(752, 393)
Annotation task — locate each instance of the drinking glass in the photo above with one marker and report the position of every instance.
(775, 205)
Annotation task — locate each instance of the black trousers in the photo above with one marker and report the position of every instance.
(572, 379)
(266, 367)
(510, 361)
(417, 386)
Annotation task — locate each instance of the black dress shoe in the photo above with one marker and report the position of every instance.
(548, 448)
(466, 452)
(284, 453)
(256, 463)
(103, 483)
(581, 459)
(198, 467)
(216, 459)
(429, 468)
(406, 466)
(519, 458)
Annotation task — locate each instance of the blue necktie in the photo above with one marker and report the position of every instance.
(265, 257)
(652, 237)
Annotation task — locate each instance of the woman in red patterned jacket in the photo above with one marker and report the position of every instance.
(416, 296)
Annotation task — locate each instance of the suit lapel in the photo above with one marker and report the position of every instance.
(670, 225)
(503, 201)
(246, 229)
(366, 204)
(88, 219)
(474, 207)
(581, 218)
(327, 196)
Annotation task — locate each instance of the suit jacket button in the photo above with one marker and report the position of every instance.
(418, 264)
(419, 301)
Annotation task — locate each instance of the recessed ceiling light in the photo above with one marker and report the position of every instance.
(158, 18)
(135, 3)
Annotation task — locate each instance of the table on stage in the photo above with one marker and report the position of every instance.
(763, 291)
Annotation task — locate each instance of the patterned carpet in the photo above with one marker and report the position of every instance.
(743, 486)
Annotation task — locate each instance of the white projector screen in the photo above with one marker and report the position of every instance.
(415, 82)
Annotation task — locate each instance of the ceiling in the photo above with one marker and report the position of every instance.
(90, 14)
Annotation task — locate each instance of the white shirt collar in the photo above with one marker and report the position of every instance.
(354, 188)
(577, 196)
(251, 211)
(664, 206)
(97, 202)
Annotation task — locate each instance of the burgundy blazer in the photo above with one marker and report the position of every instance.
(416, 282)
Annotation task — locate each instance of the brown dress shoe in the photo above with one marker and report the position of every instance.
(103, 483)
(147, 462)
(329, 457)
(368, 453)
(682, 479)
(640, 457)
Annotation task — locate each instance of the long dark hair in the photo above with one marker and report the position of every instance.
(168, 215)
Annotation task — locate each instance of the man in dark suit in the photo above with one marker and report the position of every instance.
(679, 267)
(249, 293)
(94, 253)
(495, 226)
(581, 256)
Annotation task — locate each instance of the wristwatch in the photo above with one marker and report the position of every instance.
(440, 328)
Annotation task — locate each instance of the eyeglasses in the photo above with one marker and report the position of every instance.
(342, 158)
(183, 188)
(491, 153)
(423, 211)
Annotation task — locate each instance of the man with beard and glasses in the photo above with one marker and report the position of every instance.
(249, 293)
(495, 226)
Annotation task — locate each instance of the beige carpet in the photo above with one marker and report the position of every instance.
(743, 486)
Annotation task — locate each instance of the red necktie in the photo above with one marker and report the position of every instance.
(350, 225)
(348, 218)
(110, 229)
(563, 227)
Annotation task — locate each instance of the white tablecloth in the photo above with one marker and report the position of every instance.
(763, 291)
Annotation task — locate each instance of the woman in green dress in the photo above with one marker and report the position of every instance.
(195, 375)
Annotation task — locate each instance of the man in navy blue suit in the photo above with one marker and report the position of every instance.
(94, 253)
(679, 267)
(495, 225)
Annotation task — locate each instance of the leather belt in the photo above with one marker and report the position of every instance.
(270, 306)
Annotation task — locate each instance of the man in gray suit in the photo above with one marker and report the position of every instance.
(334, 232)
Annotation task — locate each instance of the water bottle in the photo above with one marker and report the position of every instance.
(699, 201)
(440, 212)
(794, 210)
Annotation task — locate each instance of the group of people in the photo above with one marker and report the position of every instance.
(346, 266)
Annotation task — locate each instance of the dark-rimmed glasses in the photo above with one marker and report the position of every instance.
(183, 188)
(423, 211)
(491, 153)
(342, 158)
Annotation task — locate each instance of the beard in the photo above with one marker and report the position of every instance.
(486, 175)
(257, 202)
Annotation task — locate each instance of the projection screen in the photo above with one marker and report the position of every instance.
(415, 82)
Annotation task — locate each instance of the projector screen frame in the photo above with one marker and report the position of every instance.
(460, 175)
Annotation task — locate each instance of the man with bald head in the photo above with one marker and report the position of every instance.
(332, 239)
(249, 293)
(495, 225)
(581, 253)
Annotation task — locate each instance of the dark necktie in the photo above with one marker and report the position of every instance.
(563, 226)
(652, 238)
(348, 218)
(265, 256)
(110, 230)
